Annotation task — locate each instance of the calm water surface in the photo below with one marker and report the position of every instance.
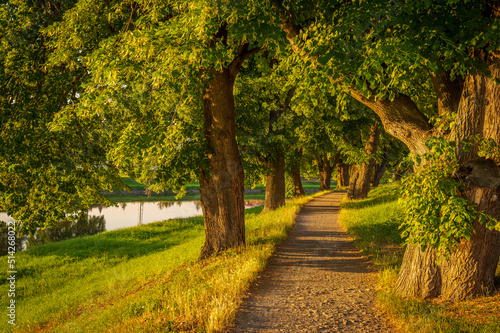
(125, 215)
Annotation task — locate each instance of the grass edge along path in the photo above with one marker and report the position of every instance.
(116, 288)
(373, 223)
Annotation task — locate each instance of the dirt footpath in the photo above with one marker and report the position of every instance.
(317, 281)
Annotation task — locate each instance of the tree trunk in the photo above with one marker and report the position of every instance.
(275, 178)
(221, 187)
(419, 275)
(298, 190)
(275, 183)
(470, 272)
(325, 172)
(379, 169)
(342, 174)
(470, 269)
(353, 180)
(360, 184)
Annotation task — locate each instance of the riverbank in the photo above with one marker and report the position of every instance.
(144, 278)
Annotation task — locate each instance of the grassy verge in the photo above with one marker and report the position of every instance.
(374, 222)
(141, 279)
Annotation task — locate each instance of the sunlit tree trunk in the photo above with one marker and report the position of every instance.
(298, 190)
(325, 172)
(275, 183)
(360, 181)
(470, 271)
(221, 186)
(275, 179)
(342, 174)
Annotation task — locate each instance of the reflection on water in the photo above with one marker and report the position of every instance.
(138, 213)
(84, 226)
(99, 219)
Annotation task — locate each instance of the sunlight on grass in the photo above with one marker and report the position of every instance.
(142, 279)
(374, 222)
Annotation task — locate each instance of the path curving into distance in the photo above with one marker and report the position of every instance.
(317, 281)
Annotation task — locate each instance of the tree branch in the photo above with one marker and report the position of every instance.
(401, 117)
(243, 54)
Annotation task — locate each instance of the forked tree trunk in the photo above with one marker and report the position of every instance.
(342, 174)
(470, 271)
(298, 190)
(325, 172)
(360, 183)
(221, 187)
(275, 183)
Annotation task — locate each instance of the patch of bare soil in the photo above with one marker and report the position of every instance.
(317, 281)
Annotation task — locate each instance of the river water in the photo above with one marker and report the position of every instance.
(125, 215)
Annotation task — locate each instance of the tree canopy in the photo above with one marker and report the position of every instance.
(93, 87)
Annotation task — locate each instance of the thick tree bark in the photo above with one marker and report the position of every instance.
(275, 183)
(342, 174)
(221, 187)
(470, 272)
(298, 190)
(419, 275)
(360, 183)
(325, 172)
(221, 183)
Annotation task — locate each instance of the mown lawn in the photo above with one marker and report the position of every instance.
(374, 222)
(141, 279)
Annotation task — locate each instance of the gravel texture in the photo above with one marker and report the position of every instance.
(317, 281)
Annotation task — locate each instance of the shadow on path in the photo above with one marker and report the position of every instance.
(317, 281)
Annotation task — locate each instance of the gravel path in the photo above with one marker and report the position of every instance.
(317, 281)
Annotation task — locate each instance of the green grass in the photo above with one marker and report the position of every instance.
(188, 197)
(374, 222)
(134, 185)
(141, 279)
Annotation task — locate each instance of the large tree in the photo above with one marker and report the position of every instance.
(162, 87)
(391, 55)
